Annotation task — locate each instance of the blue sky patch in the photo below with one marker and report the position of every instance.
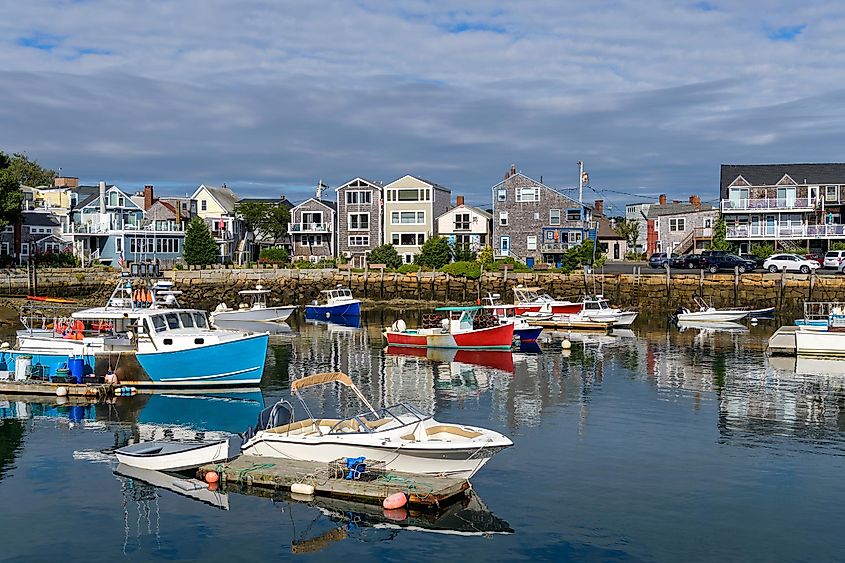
(40, 41)
(785, 33)
(462, 27)
(704, 6)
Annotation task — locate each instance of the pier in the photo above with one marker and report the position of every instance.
(29, 387)
(424, 491)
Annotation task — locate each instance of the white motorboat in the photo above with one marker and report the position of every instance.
(255, 309)
(177, 456)
(406, 439)
(191, 488)
(531, 300)
(708, 313)
(598, 309)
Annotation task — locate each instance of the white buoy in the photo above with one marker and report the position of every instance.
(566, 353)
(566, 344)
(61, 391)
(753, 320)
(302, 489)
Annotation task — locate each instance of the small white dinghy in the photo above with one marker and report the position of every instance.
(191, 488)
(255, 310)
(177, 456)
(708, 313)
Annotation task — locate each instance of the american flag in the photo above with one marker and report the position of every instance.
(120, 259)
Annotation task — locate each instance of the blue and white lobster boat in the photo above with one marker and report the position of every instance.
(142, 338)
(339, 303)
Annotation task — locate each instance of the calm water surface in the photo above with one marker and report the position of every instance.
(654, 445)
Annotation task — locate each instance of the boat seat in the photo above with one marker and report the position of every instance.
(148, 450)
(377, 423)
(297, 427)
(449, 429)
(409, 437)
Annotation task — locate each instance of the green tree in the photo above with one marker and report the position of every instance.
(16, 170)
(630, 229)
(486, 256)
(274, 224)
(720, 233)
(252, 213)
(463, 253)
(435, 253)
(200, 247)
(837, 246)
(762, 250)
(385, 254)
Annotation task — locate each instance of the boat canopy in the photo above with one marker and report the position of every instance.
(254, 292)
(460, 309)
(321, 379)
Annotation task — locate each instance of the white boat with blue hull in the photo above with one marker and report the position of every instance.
(142, 343)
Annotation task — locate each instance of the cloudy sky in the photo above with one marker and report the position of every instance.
(272, 97)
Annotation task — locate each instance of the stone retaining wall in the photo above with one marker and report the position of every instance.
(654, 292)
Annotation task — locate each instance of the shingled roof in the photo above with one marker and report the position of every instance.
(770, 174)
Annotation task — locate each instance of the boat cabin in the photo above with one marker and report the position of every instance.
(256, 298)
(337, 295)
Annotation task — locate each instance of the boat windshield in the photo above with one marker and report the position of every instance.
(385, 418)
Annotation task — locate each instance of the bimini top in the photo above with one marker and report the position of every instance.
(466, 308)
(322, 379)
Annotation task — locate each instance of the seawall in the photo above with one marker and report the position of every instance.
(206, 288)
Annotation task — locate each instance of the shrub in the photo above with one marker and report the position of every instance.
(435, 253)
(762, 250)
(273, 256)
(57, 260)
(385, 254)
(517, 265)
(465, 268)
(463, 253)
(308, 265)
(408, 268)
(485, 256)
(837, 246)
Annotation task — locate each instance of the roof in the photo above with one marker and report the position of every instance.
(657, 210)
(40, 220)
(223, 195)
(375, 183)
(434, 185)
(281, 200)
(468, 208)
(330, 204)
(605, 230)
(542, 185)
(770, 174)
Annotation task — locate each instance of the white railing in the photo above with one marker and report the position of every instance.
(96, 228)
(766, 203)
(785, 231)
(310, 227)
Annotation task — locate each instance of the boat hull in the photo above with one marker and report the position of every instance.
(714, 317)
(351, 309)
(618, 319)
(530, 334)
(268, 314)
(493, 338)
(463, 461)
(198, 454)
(819, 343)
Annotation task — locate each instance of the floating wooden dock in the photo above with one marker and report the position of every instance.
(29, 387)
(575, 326)
(782, 342)
(422, 490)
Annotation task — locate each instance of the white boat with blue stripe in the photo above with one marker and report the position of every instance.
(142, 338)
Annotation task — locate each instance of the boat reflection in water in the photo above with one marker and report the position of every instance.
(137, 478)
(711, 327)
(255, 326)
(501, 360)
(337, 323)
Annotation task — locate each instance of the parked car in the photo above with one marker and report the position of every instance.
(815, 257)
(660, 259)
(790, 263)
(709, 253)
(834, 259)
(715, 263)
(757, 260)
(688, 261)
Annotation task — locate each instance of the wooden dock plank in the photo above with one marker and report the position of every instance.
(46, 388)
(422, 490)
(577, 326)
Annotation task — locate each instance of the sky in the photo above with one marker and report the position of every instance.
(272, 97)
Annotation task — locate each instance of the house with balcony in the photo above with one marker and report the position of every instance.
(360, 223)
(410, 207)
(216, 206)
(681, 227)
(107, 226)
(38, 232)
(796, 207)
(465, 227)
(533, 222)
(312, 229)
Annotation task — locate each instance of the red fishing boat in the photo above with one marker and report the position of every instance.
(454, 327)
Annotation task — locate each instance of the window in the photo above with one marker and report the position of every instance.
(158, 322)
(359, 197)
(408, 239)
(407, 195)
(830, 193)
(118, 245)
(313, 240)
(527, 194)
(554, 216)
(550, 235)
(407, 218)
(408, 258)
(199, 318)
(25, 249)
(359, 221)
(502, 194)
(113, 199)
(677, 224)
(708, 223)
(187, 320)
(575, 236)
(531, 242)
(536, 215)
(360, 240)
(503, 218)
(573, 214)
(203, 205)
(394, 240)
(630, 210)
(312, 217)
(504, 245)
(462, 221)
(172, 320)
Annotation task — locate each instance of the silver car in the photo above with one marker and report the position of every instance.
(834, 259)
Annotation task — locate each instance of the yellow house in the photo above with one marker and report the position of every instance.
(410, 208)
(216, 206)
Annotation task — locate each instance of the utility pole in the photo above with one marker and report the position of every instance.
(581, 181)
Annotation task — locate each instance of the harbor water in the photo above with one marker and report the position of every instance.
(652, 444)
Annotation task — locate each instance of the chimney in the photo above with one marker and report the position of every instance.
(676, 201)
(459, 200)
(65, 182)
(695, 200)
(662, 199)
(510, 172)
(178, 207)
(599, 207)
(148, 197)
(102, 197)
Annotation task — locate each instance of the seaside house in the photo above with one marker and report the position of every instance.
(410, 207)
(465, 226)
(38, 232)
(794, 207)
(216, 206)
(359, 219)
(614, 245)
(312, 229)
(535, 223)
(684, 228)
(263, 240)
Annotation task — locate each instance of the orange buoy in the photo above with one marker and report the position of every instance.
(212, 477)
(396, 500)
(396, 514)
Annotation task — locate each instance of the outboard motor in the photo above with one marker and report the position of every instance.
(275, 415)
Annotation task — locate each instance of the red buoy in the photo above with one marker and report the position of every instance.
(396, 500)
(212, 477)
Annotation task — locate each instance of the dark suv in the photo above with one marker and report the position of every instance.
(688, 261)
(715, 263)
(660, 259)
